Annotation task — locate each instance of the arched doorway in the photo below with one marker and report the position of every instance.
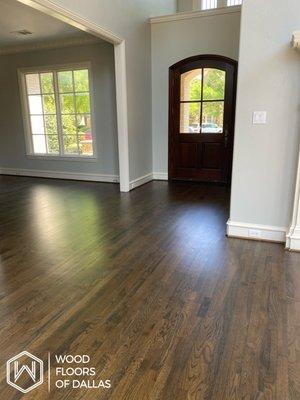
(201, 118)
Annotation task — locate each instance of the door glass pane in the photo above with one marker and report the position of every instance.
(214, 84)
(47, 82)
(191, 82)
(212, 117)
(65, 81)
(190, 118)
(33, 84)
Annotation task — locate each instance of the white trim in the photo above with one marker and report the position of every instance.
(82, 176)
(293, 236)
(293, 239)
(54, 44)
(256, 232)
(78, 176)
(60, 67)
(50, 8)
(141, 181)
(61, 13)
(25, 113)
(160, 176)
(153, 176)
(46, 157)
(195, 14)
(122, 111)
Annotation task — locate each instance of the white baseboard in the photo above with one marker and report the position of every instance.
(157, 176)
(160, 176)
(256, 232)
(140, 181)
(293, 239)
(78, 176)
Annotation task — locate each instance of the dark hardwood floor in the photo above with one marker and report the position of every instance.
(149, 287)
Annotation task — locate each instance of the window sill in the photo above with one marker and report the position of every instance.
(62, 158)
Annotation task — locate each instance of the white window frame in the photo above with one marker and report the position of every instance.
(234, 3)
(22, 72)
(204, 4)
(218, 4)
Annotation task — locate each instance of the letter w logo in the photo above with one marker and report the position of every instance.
(31, 372)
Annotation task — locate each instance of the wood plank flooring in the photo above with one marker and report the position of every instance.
(149, 287)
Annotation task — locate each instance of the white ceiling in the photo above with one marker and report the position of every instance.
(15, 16)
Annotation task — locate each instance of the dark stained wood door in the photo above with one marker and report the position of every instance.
(201, 119)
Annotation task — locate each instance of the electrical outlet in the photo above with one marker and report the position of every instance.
(254, 233)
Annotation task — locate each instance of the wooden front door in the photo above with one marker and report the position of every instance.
(201, 119)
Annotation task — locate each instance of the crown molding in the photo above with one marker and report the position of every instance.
(195, 14)
(51, 8)
(48, 45)
(296, 40)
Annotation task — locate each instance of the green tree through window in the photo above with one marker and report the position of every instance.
(60, 112)
(210, 94)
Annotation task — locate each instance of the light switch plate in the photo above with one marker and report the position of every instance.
(259, 117)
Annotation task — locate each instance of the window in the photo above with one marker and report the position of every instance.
(202, 98)
(209, 4)
(234, 2)
(57, 111)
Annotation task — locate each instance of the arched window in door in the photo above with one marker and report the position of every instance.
(202, 101)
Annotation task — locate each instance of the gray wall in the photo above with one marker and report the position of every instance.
(12, 141)
(269, 79)
(173, 41)
(129, 20)
(184, 5)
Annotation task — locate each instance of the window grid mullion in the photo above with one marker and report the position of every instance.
(29, 115)
(75, 108)
(201, 102)
(204, 101)
(213, 4)
(43, 115)
(58, 115)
